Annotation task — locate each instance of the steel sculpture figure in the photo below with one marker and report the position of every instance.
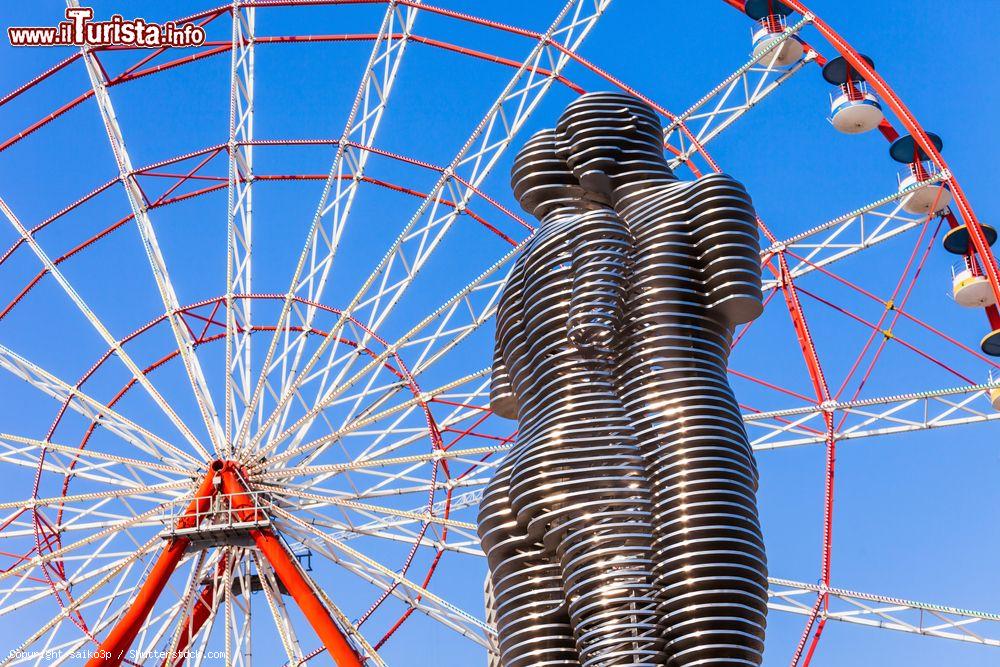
(695, 275)
(622, 528)
(565, 523)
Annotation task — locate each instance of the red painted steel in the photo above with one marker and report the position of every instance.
(822, 390)
(288, 571)
(114, 649)
(879, 85)
(200, 612)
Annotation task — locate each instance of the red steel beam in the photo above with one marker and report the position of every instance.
(822, 390)
(289, 573)
(196, 619)
(113, 649)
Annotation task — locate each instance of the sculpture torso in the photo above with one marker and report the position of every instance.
(574, 477)
(573, 426)
(622, 527)
(688, 426)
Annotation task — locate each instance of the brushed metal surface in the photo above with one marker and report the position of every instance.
(622, 528)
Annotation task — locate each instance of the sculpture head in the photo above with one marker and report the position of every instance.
(610, 138)
(541, 180)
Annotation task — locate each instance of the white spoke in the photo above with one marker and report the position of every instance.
(239, 222)
(90, 453)
(756, 79)
(374, 566)
(323, 501)
(140, 212)
(359, 423)
(125, 564)
(849, 234)
(85, 497)
(456, 319)
(888, 613)
(134, 369)
(91, 408)
(100, 472)
(370, 102)
(109, 531)
(192, 596)
(458, 502)
(429, 457)
(282, 623)
(425, 230)
(919, 411)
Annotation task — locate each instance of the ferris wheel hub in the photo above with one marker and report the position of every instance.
(227, 519)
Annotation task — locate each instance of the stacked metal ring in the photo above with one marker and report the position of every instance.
(695, 274)
(626, 517)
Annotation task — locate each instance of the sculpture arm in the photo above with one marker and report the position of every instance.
(503, 401)
(503, 398)
(724, 227)
(600, 258)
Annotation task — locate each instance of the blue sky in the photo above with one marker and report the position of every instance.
(915, 514)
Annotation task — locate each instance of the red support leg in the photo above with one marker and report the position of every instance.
(114, 649)
(289, 573)
(993, 315)
(193, 623)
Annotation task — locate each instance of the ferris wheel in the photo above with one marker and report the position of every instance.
(246, 373)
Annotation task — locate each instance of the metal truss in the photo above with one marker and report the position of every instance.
(452, 322)
(850, 233)
(887, 613)
(461, 180)
(735, 95)
(157, 264)
(101, 329)
(323, 237)
(954, 406)
(93, 409)
(239, 218)
(805, 425)
(411, 593)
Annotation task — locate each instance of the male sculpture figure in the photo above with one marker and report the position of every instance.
(695, 274)
(565, 521)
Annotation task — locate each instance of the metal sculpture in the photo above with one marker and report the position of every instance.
(565, 524)
(632, 483)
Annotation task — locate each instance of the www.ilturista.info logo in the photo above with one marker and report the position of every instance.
(81, 30)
